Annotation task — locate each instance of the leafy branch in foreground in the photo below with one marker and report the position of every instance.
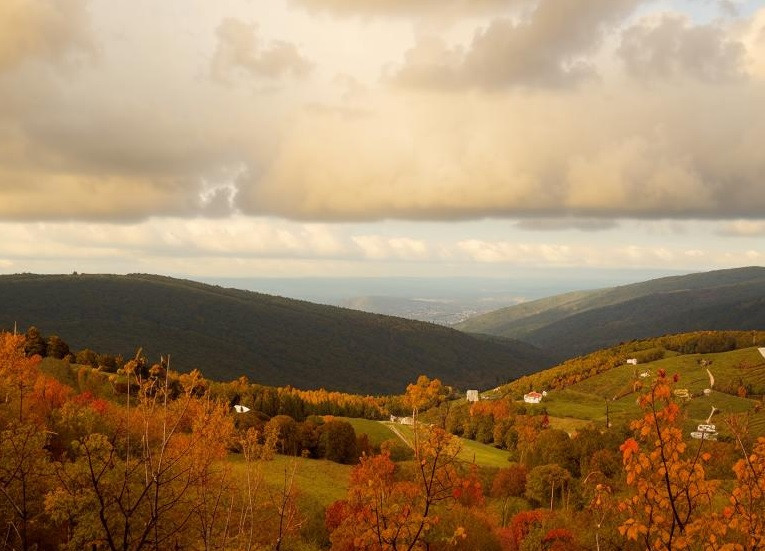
(670, 490)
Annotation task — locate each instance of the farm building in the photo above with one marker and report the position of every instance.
(472, 395)
(402, 420)
(532, 397)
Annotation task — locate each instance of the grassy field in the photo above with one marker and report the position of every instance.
(317, 479)
(482, 454)
(376, 431)
(587, 399)
(726, 367)
(568, 424)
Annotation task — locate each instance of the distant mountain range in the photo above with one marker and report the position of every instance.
(227, 333)
(576, 323)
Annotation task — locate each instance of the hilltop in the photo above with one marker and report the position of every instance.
(273, 340)
(576, 323)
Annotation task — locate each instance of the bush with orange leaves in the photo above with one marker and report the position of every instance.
(742, 523)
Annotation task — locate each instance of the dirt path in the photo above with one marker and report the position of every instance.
(394, 428)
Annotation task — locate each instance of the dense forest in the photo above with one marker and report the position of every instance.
(148, 458)
(227, 333)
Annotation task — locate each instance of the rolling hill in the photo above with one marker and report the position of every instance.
(588, 397)
(227, 333)
(576, 323)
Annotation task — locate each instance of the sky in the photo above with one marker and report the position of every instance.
(354, 138)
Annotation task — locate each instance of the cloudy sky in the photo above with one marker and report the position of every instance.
(380, 137)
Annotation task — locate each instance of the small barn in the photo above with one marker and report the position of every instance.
(532, 397)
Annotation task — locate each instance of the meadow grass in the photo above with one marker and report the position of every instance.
(568, 424)
(471, 451)
(377, 431)
(586, 400)
(319, 480)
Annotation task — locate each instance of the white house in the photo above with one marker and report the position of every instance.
(472, 395)
(632, 361)
(402, 420)
(532, 397)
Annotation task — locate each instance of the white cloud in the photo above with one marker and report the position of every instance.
(52, 30)
(239, 49)
(381, 248)
(566, 223)
(142, 132)
(401, 7)
(753, 37)
(249, 247)
(546, 49)
(743, 228)
(670, 46)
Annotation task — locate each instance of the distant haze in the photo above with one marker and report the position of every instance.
(445, 300)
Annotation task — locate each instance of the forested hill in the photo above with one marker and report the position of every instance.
(277, 341)
(577, 323)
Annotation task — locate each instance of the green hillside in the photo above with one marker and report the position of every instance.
(576, 323)
(276, 341)
(739, 388)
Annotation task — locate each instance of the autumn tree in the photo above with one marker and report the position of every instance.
(542, 481)
(132, 489)
(87, 357)
(424, 393)
(384, 513)
(509, 482)
(337, 442)
(522, 524)
(18, 372)
(24, 469)
(666, 476)
(600, 505)
(552, 446)
(34, 343)
(56, 347)
(527, 428)
(744, 518)
(23, 457)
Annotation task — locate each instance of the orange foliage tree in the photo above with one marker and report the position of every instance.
(383, 513)
(23, 457)
(424, 393)
(667, 478)
(135, 488)
(509, 482)
(743, 521)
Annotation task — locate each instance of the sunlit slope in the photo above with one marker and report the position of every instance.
(739, 384)
(576, 323)
(273, 340)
